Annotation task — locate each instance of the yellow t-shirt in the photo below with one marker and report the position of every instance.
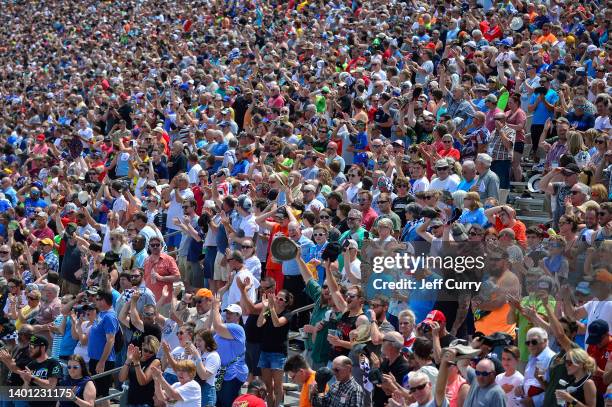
(26, 311)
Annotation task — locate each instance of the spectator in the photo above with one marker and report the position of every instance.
(345, 387)
(186, 392)
(101, 341)
(78, 379)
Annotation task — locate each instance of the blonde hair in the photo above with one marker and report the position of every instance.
(575, 143)
(186, 366)
(153, 343)
(475, 197)
(600, 191)
(580, 357)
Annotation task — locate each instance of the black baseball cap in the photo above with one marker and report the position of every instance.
(597, 330)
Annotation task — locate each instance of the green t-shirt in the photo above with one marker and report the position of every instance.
(320, 347)
(357, 236)
(397, 222)
(320, 103)
(523, 323)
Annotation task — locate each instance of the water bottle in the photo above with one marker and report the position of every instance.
(563, 384)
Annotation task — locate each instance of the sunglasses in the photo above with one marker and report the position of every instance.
(33, 298)
(442, 168)
(600, 141)
(74, 367)
(145, 350)
(575, 192)
(318, 234)
(154, 245)
(351, 296)
(532, 342)
(246, 247)
(265, 288)
(181, 332)
(483, 374)
(383, 202)
(417, 388)
(353, 175)
(4, 252)
(324, 217)
(354, 218)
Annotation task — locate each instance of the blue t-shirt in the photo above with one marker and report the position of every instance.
(232, 350)
(473, 217)
(241, 167)
(105, 323)
(67, 343)
(290, 267)
(466, 185)
(31, 204)
(541, 113)
(218, 150)
(422, 301)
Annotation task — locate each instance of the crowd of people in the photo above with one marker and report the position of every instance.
(157, 157)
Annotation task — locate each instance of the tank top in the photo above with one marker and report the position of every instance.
(452, 390)
(78, 385)
(276, 337)
(138, 394)
(495, 321)
(344, 325)
(579, 392)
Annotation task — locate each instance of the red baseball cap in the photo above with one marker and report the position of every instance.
(437, 316)
(40, 137)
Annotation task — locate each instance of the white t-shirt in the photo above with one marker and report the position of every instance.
(449, 184)
(516, 381)
(249, 226)
(253, 265)
(420, 185)
(175, 210)
(178, 354)
(193, 174)
(120, 204)
(315, 203)
(598, 310)
(355, 269)
(212, 363)
(233, 296)
(85, 134)
(81, 349)
(190, 392)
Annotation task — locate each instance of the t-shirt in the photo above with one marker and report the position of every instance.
(541, 113)
(44, 370)
(212, 363)
(105, 323)
(190, 392)
(491, 396)
(232, 353)
(249, 400)
(175, 210)
(508, 384)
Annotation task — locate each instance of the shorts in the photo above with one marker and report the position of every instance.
(251, 357)
(174, 240)
(272, 360)
(221, 273)
(104, 383)
(519, 146)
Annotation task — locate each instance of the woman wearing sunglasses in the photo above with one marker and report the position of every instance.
(274, 322)
(28, 312)
(581, 390)
(78, 379)
(80, 324)
(137, 370)
(172, 357)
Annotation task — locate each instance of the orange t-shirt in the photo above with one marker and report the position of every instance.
(495, 321)
(519, 228)
(304, 399)
(550, 38)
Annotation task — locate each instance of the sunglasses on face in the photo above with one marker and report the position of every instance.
(318, 234)
(532, 342)
(324, 217)
(73, 367)
(33, 298)
(265, 288)
(146, 350)
(483, 374)
(417, 388)
(354, 218)
(154, 245)
(246, 247)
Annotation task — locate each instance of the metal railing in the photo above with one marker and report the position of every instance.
(110, 396)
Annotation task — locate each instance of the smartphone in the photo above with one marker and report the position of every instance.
(334, 332)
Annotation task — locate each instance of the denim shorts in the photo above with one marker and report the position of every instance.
(272, 360)
(174, 240)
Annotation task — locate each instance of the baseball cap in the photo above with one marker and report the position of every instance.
(40, 137)
(309, 187)
(584, 288)
(571, 168)
(245, 202)
(394, 337)
(38, 340)
(437, 316)
(46, 241)
(491, 98)
(436, 222)
(204, 293)
(597, 330)
(235, 308)
(352, 244)
(592, 48)
(441, 163)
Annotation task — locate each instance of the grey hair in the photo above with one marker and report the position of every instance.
(537, 331)
(585, 189)
(353, 213)
(54, 287)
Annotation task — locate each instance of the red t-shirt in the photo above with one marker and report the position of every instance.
(601, 356)
(248, 400)
(519, 228)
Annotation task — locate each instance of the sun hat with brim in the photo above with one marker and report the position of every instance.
(283, 248)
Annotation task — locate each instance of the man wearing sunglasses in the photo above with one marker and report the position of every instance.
(539, 360)
(160, 269)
